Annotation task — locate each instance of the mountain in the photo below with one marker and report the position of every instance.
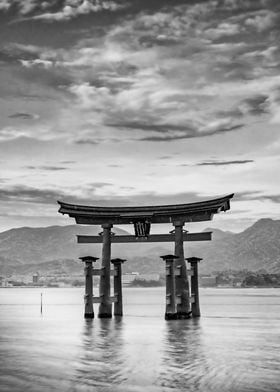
(257, 247)
(35, 245)
(55, 248)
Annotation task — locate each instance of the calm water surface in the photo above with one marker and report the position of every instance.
(234, 346)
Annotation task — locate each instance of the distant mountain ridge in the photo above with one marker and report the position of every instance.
(28, 245)
(257, 247)
(54, 247)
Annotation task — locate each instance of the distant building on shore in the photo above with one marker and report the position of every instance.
(35, 278)
(128, 278)
(208, 281)
(148, 277)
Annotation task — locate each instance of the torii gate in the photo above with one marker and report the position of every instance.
(142, 218)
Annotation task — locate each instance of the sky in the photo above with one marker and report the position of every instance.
(139, 102)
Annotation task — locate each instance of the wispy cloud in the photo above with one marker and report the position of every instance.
(25, 194)
(273, 198)
(46, 195)
(87, 141)
(47, 168)
(189, 135)
(255, 105)
(225, 163)
(133, 75)
(262, 21)
(23, 116)
(59, 11)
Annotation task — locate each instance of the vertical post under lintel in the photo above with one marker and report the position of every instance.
(105, 307)
(170, 309)
(118, 305)
(194, 285)
(88, 260)
(182, 283)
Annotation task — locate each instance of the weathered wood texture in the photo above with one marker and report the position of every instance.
(182, 282)
(89, 312)
(190, 212)
(194, 285)
(97, 239)
(99, 272)
(98, 300)
(105, 307)
(118, 305)
(171, 300)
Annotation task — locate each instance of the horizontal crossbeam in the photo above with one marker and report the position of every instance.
(97, 300)
(97, 239)
(178, 299)
(99, 272)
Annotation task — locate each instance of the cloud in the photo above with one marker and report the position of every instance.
(37, 62)
(257, 195)
(255, 105)
(33, 195)
(97, 185)
(273, 198)
(130, 77)
(222, 30)
(188, 135)
(234, 113)
(161, 128)
(86, 141)
(27, 6)
(262, 21)
(59, 11)
(5, 5)
(9, 133)
(11, 53)
(23, 116)
(224, 163)
(20, 193)
(274, 105)
(164, 157)
(47, 168)
(48, 196)
(36, 131)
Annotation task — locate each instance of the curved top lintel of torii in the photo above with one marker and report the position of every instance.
(189, 212)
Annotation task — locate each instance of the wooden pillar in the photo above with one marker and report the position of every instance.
(118, 305)
(105, 307)
(194, 285)
(182, 283)
(88, 260)
(170, 310)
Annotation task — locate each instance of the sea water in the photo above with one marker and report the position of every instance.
(234, 346)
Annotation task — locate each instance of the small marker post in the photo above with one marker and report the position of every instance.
(41, 303)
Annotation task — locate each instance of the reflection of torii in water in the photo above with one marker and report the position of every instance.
(142, 218)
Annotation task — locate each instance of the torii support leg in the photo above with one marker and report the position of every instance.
(105, 307)
(182, 283)
(170, 309)
(118, 305)
(88, 260)
(194, 285)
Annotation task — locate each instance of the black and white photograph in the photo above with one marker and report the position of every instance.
(139, 195)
